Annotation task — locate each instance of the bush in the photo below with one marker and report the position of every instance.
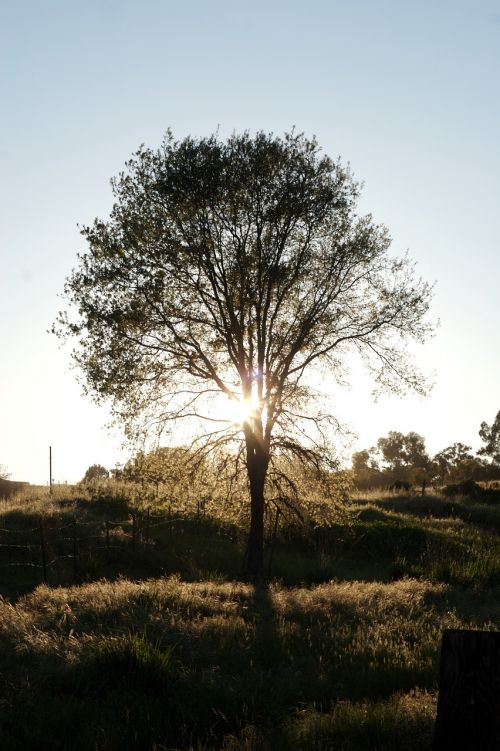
(472, 490)
(129, 662)
(468, 488)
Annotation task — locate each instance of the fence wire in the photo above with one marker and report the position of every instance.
(50, 539)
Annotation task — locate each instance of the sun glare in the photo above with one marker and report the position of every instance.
(241, 410)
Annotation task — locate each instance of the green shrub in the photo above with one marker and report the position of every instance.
(129, 662)
(467, 488)
(402, 722)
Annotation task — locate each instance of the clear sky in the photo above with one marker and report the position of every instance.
(407, 92)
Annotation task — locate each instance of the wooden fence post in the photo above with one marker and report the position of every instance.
(134, 529)
(44, 557)
(468, 712)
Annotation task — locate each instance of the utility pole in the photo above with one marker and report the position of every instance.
(50, 470)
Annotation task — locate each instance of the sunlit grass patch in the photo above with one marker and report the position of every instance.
(405, 721)
(339, 650)
(486, 515)
(230, 663)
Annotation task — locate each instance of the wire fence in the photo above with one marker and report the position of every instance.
(46, 548)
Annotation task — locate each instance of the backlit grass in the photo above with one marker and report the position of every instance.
(339, 650)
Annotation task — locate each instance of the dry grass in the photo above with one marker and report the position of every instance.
(246, 662)
(37, 500)
(165, 663)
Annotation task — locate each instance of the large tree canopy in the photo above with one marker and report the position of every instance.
(95, 472)
(490, 434)
(234, 268)
(405, 456)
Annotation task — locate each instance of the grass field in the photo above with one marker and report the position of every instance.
(165, 647)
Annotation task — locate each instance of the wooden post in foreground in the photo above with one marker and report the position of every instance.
(468, 713)
(50, 470)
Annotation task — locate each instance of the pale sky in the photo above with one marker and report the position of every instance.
(407, 92)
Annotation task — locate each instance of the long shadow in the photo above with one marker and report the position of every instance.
(267, 647)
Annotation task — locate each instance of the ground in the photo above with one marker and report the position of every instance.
(163, 646)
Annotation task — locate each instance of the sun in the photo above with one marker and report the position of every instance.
(240, 411)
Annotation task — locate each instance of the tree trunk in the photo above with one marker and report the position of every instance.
(257, 464)
(468, 716)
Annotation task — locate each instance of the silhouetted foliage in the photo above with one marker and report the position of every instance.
(401, 461)
(467, 488)
(401, 486)
(95, 472)
(398, 461)
(228, 270)
(473, 491)
(490, 434)
(366, 471)
(404, 457)
(456, 464)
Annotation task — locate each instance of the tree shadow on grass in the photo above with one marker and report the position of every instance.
(267, 645)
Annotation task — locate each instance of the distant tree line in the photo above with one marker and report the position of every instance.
(397, 460)
(401, 461)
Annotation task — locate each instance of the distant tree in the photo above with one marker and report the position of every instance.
(230, 270)
(366, 471)
(404, 457)
(4, 473)
(456, 463)
(95, 472)
(363, 461)
(490, 435)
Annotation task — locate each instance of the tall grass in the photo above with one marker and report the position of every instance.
(338, 651)
(209, 661)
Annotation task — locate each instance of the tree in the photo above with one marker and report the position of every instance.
(490, 434)
(405, 457)
(456, 463)
(4, 473)
(95, 472)
(237, 270)
(366, 471)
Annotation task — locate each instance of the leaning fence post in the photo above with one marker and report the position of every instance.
(134, 529)
(147, 526)
(42, 548)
